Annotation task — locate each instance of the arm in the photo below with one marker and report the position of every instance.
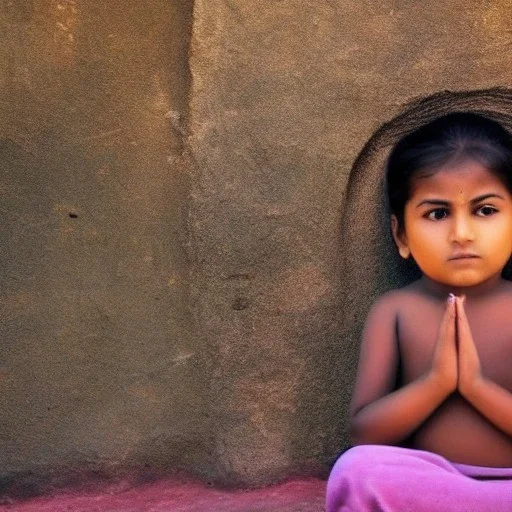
(492, 401)
(487, 397)
(380, 415)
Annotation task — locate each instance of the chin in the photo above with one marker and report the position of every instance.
(461, 281)
(466, 281)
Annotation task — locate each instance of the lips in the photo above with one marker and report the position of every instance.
(463, 256)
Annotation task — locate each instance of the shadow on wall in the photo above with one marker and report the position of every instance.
(371, 264)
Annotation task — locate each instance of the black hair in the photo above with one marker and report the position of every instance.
(447, 139)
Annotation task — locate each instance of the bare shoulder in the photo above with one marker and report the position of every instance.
(395, 301)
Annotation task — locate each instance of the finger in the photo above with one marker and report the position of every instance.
(463, 328)
(447, 329)
(459, 305)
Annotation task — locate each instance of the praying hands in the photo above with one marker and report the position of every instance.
(456, 343)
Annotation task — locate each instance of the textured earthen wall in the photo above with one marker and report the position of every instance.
(179, 287)
(285, 97)
(98, 363)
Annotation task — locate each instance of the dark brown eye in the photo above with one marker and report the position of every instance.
(437, 214)
(486, 210)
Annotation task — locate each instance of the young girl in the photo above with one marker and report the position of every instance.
(431, 413)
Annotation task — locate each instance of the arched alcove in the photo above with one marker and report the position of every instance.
(370, 262)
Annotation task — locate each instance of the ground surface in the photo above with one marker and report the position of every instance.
(170, 496)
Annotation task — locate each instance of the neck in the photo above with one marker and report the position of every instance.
(478, 290)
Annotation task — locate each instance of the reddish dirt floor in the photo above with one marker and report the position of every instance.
(305, 495)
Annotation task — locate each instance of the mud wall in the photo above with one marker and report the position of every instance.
(294, 105)
(180, 285)
(98, 367)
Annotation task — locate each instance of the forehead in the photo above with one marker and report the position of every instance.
(466, 179)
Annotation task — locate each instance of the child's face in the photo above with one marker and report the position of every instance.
(458, 225)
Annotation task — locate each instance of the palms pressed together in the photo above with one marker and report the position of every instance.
(456, 358)
(457, 362)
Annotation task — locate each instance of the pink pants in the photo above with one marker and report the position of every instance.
(377, 478)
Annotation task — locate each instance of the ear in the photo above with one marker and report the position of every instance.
(400, 239)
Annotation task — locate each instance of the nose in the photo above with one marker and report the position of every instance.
(461, 229)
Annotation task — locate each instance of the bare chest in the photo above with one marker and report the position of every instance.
(492, 335)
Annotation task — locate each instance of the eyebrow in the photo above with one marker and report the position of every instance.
(443, 202)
